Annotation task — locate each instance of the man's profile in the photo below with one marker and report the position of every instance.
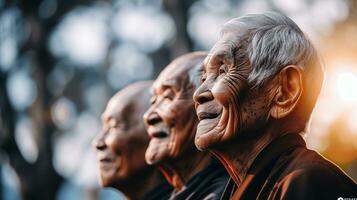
(171, 123)
(260, 84)
(122, 143)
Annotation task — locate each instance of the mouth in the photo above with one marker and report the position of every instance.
(105, 160)
(204, 115)
(158, 133)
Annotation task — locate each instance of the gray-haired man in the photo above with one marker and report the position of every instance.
(261, 81)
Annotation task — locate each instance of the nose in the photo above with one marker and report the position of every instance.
(202, 95)
(151, 118)
(98, 142)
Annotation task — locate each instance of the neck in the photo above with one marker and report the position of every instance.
(139, 186)
(179, 171)
(238, 156)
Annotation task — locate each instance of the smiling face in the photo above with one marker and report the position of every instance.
(226, 105)
(123, 140)
(261, 79)
(171, 120)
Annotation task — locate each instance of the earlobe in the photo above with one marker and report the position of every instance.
(289, 91)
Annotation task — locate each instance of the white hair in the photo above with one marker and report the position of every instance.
(270, 42)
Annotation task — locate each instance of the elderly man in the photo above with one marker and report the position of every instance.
(259, 86)
(171, 123)
(122, 143)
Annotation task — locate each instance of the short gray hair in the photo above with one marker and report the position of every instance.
(270, 42)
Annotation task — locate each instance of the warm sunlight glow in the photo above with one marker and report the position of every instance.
(346, 86)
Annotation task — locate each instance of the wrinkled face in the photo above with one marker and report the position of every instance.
(121, 144)
(171, 120)
(226, 106)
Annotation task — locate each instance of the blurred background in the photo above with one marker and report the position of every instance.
(60, 62)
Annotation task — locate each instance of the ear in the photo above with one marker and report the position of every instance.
(290, 88)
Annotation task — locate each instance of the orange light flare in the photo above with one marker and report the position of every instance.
(334, 124)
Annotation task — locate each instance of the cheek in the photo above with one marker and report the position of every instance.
(227, 91)
(134, 154)
(179, 114)
(183, 133)
(221, 93)
(255, 113)
(168, 113)
(114, 143)
(185, 112)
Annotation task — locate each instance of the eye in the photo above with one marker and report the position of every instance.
(203, 78)
(223, 70)
(168, 94)
(116, 127)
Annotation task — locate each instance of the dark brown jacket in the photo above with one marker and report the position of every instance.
(207, 184)
(286, 169)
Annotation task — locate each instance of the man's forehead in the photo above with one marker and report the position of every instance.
(167, 82)
(115, 108)
(224, 45)
(170, 78)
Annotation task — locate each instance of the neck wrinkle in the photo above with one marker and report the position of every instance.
(179, 172)
(238, 161)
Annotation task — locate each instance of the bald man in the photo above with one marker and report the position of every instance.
(122, 143)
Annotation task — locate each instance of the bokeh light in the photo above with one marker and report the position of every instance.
(24, 136)
(59, 77)
(147, 27)
(346, 86)
(96, 97)
(126, 62)
(22, 89)
(82, 36)
(206, 19)
(9, 21)
(64, 113)
(73, 151)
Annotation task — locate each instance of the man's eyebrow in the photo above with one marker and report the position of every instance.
(163, 86)
(170, 85)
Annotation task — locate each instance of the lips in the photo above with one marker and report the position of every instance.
(157, 132)
(206, 115)
(105, 159)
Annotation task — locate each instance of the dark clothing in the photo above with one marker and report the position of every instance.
(161, 192)
(286, 169)
(207, 184)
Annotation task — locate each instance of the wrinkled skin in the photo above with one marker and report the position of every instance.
(238, 119)
(226, 105)
(171, 121)
(123, 140)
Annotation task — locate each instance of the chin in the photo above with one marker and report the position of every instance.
(156, 152)
(150, 159)
(200, 144)
(208, 134)
(205, 141)
(105, 182)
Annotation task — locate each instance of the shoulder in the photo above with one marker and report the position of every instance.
(210, 183)
(310, 175)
